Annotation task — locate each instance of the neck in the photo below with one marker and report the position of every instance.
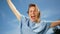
(37, 21)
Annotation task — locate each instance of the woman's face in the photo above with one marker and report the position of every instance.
(33, 13)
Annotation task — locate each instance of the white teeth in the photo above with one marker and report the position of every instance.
(32, 16)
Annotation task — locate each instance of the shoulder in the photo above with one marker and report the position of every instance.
(24, 17)
(47, 23)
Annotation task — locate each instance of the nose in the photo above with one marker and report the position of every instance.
(33, 12)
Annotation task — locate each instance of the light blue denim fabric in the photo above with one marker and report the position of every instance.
(29, 27)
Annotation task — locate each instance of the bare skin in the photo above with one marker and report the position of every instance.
(14, 10)
(33, 12)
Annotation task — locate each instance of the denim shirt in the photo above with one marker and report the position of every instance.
(29, 27)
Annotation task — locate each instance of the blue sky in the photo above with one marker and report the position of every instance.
(50, 11)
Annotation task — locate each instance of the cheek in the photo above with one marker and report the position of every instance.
(29, 14)
(37, 14)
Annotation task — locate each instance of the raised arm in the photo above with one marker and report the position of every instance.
(14, 10)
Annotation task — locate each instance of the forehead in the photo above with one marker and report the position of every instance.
(32, 7)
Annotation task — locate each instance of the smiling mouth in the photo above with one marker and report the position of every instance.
(33, 17)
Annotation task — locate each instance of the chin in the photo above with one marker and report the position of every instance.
(33, 20)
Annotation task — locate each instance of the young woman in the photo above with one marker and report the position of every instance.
(31, 24)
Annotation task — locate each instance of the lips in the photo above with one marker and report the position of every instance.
(33, 17)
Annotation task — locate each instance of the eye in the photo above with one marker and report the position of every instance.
(30, 11)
